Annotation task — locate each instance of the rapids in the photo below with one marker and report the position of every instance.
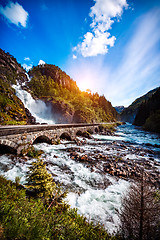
(95, 193)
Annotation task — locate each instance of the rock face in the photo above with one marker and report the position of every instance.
(52, 85)
(10, 69)
(62, 112)
(12, 110)
(54, 72)
(30, 118)
(129, 113)
(148, 114)
(68, 103)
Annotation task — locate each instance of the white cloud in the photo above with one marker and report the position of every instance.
(103, 15)
(74, 56)
(15, 14)
(139, 70)
(104, 9)
(134, 73)
(41, 62)
(27, 67)
(27, 59)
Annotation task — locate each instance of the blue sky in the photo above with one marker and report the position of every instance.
(109, 46)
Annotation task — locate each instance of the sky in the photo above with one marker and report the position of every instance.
(108, 46)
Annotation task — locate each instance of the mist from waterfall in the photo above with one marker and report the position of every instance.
(37, 108)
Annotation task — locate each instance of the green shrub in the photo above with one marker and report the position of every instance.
(153, 122)
(24, 218)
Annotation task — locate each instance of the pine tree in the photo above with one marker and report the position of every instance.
(40, 181)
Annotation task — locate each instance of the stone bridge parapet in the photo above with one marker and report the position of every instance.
(20, 138)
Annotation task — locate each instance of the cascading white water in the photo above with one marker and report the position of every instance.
(28, 78)
(88, 192)
(37, 108)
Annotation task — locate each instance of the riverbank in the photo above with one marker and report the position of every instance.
(96, 171)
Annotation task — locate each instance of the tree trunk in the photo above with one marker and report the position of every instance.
(141, 213)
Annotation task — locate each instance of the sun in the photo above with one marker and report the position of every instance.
(84, 85)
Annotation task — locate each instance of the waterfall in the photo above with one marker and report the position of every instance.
(28, 78)
(37, 108)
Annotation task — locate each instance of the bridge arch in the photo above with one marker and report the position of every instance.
(41, 139)
(65, 135)
(7, 146)
(79, 133)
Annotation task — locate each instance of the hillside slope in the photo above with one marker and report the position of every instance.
(129, 113)
(148, 114)
(68, 103)
(12, 110)
(50, 84)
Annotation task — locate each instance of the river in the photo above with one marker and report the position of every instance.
(80, 168)
(86, 167)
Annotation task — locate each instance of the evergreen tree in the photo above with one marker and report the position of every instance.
(40, 181)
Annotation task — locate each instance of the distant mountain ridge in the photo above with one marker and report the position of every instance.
(129, 113)
(148, 114)
(119, 109)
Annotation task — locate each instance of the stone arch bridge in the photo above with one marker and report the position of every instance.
(18, 139)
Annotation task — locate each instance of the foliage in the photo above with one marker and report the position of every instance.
(12, 110)
(51, 84)
(54, 75)
(40, 181)
(152, 123)
(17, 180)
(34, 153)
(129, 113)
(148, 114)
(111, 127)
(140, 213)
(23, 218)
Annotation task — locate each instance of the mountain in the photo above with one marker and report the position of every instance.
(50, 71)
(12, 110)
(148, 114)
(53, 86)
(129, 113)
(119, 109)
(68, 103)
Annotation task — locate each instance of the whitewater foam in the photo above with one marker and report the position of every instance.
(37, 108)
(99, 205)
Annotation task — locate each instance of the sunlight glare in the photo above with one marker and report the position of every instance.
(84, 85)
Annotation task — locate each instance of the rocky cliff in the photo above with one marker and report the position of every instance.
(68, 103)
(129, 113)
(53, 72)
(148, 114)
(12, 110)
(52, 85)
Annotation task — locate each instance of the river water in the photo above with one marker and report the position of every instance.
(95, 194)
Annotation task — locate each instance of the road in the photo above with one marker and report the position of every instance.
(20, 129)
